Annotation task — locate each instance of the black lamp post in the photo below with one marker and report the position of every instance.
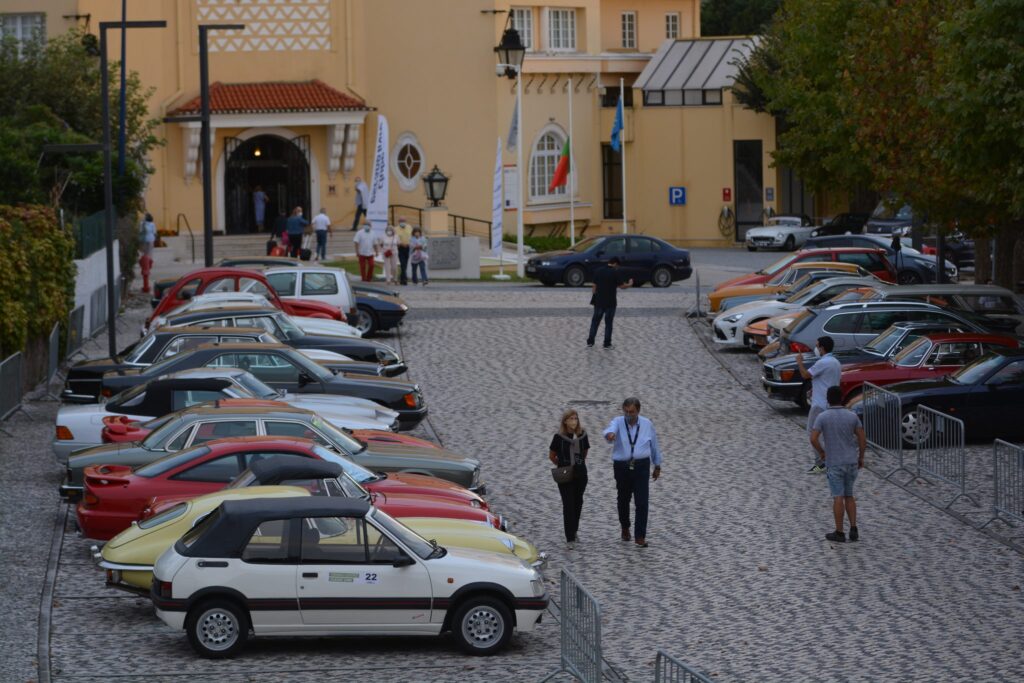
(510, 52)
(436, 185)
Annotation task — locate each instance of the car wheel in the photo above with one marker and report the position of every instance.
(482, 626)
(803, 398)
(914, 431)
(217, 629)
(575, 277)
(790, 243)
(367, 321)
(749, 248)
(662, 277)
(908, 277)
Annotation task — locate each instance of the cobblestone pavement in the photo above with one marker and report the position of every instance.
(738, 579)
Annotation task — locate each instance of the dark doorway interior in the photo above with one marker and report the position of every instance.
(749, 182)
(279, 166)
(611, 178)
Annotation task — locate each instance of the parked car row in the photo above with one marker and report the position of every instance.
(249, 474)
(956, 348)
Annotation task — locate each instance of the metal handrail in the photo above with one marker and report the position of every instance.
(190, 234)
(417, 209)
(454, 220)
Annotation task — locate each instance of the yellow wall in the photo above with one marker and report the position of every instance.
(55, 11)
(650, 21)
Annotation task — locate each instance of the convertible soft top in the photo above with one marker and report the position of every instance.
(272, 471)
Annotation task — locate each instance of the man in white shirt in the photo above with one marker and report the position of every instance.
(362, 201)
(634, 450)
(825, 373)
(366, 251)
(321, 226)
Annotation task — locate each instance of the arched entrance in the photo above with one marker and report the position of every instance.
(277, 165)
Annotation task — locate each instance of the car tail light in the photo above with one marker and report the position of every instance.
(90, 498)
(107, 393)
(64, 434)
(164, 589)
(797, 347)
(410, 399)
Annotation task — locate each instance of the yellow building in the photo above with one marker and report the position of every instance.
(297, 92)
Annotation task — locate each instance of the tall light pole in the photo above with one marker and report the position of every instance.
(108, 183)
(510, 53)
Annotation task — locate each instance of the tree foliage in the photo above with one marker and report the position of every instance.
(736, 17)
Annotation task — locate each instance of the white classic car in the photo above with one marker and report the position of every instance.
(335, 566)
(81, 426)
(780, 232)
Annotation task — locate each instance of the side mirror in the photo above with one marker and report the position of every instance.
(403, 561)
(304, 379)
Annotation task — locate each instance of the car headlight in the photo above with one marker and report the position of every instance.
(476, 477)
(475, 503)
(538, 587)
(779, 236)
(403, 307)
(545, 263)
(734, 318)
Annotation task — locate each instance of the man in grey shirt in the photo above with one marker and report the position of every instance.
(843, 453)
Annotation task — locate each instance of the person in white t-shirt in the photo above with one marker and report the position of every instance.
(366, 250)
(321, 227)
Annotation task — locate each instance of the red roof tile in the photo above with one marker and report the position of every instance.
(265, 98)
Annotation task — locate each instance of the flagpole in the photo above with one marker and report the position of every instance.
(622, 146)
(572, 176)
(520, 266)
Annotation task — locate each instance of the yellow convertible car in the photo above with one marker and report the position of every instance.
(128, 558)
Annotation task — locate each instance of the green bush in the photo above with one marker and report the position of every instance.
(542, 243)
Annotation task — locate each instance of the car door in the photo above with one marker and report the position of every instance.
(283, 283)
(347, 580)
(265, 574)
(641, 256)
(270, 368)
(321, 286)
(843, 327)
(613, 246)
(998, 407)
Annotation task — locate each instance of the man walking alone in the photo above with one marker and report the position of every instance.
(607, 281)
(362, 201)
(843, 453)
(634, 450)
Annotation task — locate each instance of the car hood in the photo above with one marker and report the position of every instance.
(772, 230)
(380, 382)
(549, 255)
(385, 301)
(346, 404)
(91, 413)
(767, 307)
(938, 385)
(474, 560)
(322, 326)
(401, 450)
(844, 357)
(92, 368)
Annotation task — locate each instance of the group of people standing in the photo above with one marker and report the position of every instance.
(398, 248)
(636, 461)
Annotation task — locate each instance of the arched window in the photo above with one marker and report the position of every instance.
(543, 162)
(407, 161)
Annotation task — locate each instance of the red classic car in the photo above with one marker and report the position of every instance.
(117, 495)
(216, 279)
(874, 260)
(931, 356)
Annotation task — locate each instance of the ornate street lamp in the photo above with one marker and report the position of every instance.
(436, 185)
(510, 53)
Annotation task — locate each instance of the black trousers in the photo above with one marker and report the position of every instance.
(294, 244)
(572, 502)
(360, 211)
(633, 484)
(609, 317)
(403, 263)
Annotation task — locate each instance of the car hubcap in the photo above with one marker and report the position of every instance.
(364, 323)
(661, 278)
(483, 627)
(217, 629)
(575, 278)
(913, 429)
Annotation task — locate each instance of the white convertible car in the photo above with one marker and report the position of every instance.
(81, 426)
(781, 232)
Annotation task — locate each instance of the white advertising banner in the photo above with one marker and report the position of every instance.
(497, 209)
(511, 188)
(377, 208)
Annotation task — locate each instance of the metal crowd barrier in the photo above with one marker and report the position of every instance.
(940, 449)
(883, 426)
(53, 358)
(695, 312)
(97, 310)
(1008, 468)
(76, 332)
(581, 654)
(668, 669)
(12, 379)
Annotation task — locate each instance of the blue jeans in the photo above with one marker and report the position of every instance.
(633, 483)
(609, 317)
(321, 244)
(840, 479)
(422, 267)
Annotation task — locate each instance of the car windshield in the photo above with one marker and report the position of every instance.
(977, 371)
(169, 462)
(160, 367)
(312, 367)
(357, 472)
(157, 423)
(289, 329)
(911, 356)
(416, 543)
(154, 440)
(775, 267)
(585, 245)
(254, 386)
(779, 278)
(348, 443)
(803, 282)
(165, 516)
(136, 352)
(881, 345)
(886, 211)
(129, 397)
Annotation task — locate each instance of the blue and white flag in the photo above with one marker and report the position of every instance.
(497, 209)
(513, 128)
(377, 207)
(617, 126)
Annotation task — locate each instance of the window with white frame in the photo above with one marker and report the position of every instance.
(629, 30)
(23, 27)
(407, 161)
(522, 21)
(672, 25)
(543, 163)
(562, 30)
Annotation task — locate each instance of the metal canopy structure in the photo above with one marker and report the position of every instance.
(695, 64)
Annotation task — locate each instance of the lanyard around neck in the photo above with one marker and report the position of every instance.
(631, 438)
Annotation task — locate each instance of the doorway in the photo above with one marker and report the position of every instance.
(748, 179)
(278, 167)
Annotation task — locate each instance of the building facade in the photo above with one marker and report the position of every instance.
(296, 94)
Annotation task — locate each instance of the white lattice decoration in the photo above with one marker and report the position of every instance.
(270, 25)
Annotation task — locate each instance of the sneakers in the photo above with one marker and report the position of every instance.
(590, 344)
(609, 346)
(854, 534)
(571, 545)
(641, 542)
(836, 537)
(816, 469)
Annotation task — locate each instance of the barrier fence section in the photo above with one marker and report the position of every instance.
(12, 376)
(97, 310)
(76, 332)
(1008, 471)
(883, 426)
(668, 669)
(581, 654)
(53, 358)
(941, 451)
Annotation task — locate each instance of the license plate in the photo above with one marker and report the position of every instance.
(530, 269)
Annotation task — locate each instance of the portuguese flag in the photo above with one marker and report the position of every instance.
(562, 170)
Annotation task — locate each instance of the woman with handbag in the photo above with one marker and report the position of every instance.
(568, 452)
(387, 247)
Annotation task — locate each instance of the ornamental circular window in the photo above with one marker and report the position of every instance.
(407, 161)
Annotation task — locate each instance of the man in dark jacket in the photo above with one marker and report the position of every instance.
(607, 281)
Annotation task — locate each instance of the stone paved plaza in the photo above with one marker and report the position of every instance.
(738, 579)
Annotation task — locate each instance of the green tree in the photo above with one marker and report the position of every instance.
(736, 17)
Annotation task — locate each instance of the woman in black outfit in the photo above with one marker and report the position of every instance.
(569, 447)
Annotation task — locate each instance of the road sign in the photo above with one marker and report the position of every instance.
(677, 196)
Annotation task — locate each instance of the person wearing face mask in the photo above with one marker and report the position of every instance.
(366, 249)
(634, 450)
(825, 373)
(295, 226)
(387, 247)
(569, 447)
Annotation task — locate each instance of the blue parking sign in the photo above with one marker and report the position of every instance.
(677, 196)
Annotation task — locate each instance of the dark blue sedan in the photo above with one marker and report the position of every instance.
(645, 259)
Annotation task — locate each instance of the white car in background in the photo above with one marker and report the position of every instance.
(780, 232)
